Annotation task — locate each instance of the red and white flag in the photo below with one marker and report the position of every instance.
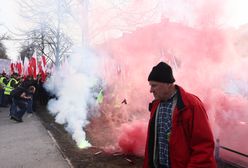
(42, 71)
(12, 67)
(33, 65)
(19, 66)
(25, 67)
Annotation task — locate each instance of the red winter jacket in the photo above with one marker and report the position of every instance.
(191, 140)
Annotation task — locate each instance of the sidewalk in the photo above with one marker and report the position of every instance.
(27, 144)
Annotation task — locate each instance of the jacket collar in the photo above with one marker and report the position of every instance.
(180, 103)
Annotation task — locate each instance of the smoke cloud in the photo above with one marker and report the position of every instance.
(206, 57)
(71, 84)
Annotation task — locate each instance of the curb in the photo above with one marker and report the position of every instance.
(58, 147)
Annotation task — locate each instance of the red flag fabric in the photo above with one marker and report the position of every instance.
(30, 71)
(12, 68)
(19, 68)
(33, 65)
(43, 76)
(42, 72)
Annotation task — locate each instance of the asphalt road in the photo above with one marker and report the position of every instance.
(27, 144)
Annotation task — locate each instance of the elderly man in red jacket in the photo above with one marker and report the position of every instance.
(179, 135)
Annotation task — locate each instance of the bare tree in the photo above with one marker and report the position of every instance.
(48, 36)
(101, 20)
(4, 37)
(3, 54)
(26, 51)
(44, 41)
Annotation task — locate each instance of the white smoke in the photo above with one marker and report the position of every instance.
(71, 83)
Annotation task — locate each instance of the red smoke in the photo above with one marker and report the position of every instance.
(205, 59)
(133, 138)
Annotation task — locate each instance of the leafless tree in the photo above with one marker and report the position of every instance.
(47, 34)
(2, 46)
(43, 40)
(4, 37)
(100, 20)
(3, 54)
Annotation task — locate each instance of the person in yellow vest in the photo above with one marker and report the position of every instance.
(3, 83)
(13, 83)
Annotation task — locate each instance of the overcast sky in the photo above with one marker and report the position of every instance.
(10, 20)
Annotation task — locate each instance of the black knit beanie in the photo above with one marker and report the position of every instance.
(161, 73)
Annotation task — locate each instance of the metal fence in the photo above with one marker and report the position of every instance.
(218, 157)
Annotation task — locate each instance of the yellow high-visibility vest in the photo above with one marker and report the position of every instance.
(8, 87)
(100, 97)
(2, 84)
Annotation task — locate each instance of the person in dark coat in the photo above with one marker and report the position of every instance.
(20, 102)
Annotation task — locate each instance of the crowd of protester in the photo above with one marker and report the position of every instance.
(21, 94)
